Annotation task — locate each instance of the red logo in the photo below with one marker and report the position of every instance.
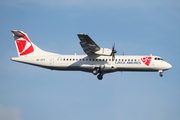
(146, 60)
(24, 46)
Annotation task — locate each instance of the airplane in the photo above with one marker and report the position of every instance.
(98, 61)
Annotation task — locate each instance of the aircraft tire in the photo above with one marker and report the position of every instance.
(100, 77)
(161, 74)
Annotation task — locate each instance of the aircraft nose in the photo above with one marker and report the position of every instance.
(169, 66)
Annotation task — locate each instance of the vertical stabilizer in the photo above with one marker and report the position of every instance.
(25, 47)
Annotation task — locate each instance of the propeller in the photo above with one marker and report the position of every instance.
(113, 52)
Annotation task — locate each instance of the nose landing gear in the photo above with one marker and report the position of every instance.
(160, 73)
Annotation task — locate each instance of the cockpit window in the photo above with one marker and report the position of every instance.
(158, 59)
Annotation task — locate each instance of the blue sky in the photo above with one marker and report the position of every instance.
(136, 27)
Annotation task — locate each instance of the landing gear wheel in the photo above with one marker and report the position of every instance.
(160, 74)
(100, 77)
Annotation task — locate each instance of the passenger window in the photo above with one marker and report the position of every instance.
(119, 59)
(131, 59)
(109, 59)
(128, 59)
(89, 59)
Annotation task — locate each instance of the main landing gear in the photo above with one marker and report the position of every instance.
(96, 71)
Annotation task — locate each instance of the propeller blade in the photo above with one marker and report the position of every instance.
(113, 56)
(113, 51)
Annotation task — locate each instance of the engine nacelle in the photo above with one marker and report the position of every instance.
(104, 51)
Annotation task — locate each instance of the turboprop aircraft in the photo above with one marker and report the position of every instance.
(98, 61)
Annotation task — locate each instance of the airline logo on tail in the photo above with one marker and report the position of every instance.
(146, 60)
(24, 45)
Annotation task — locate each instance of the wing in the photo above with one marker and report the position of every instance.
(88, 45)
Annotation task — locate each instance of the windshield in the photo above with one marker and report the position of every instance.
(158, 58)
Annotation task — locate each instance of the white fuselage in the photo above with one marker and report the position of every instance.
(87, 64)
(97, 61)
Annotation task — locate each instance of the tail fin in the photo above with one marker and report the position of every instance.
(23, 44)
(25, 47)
